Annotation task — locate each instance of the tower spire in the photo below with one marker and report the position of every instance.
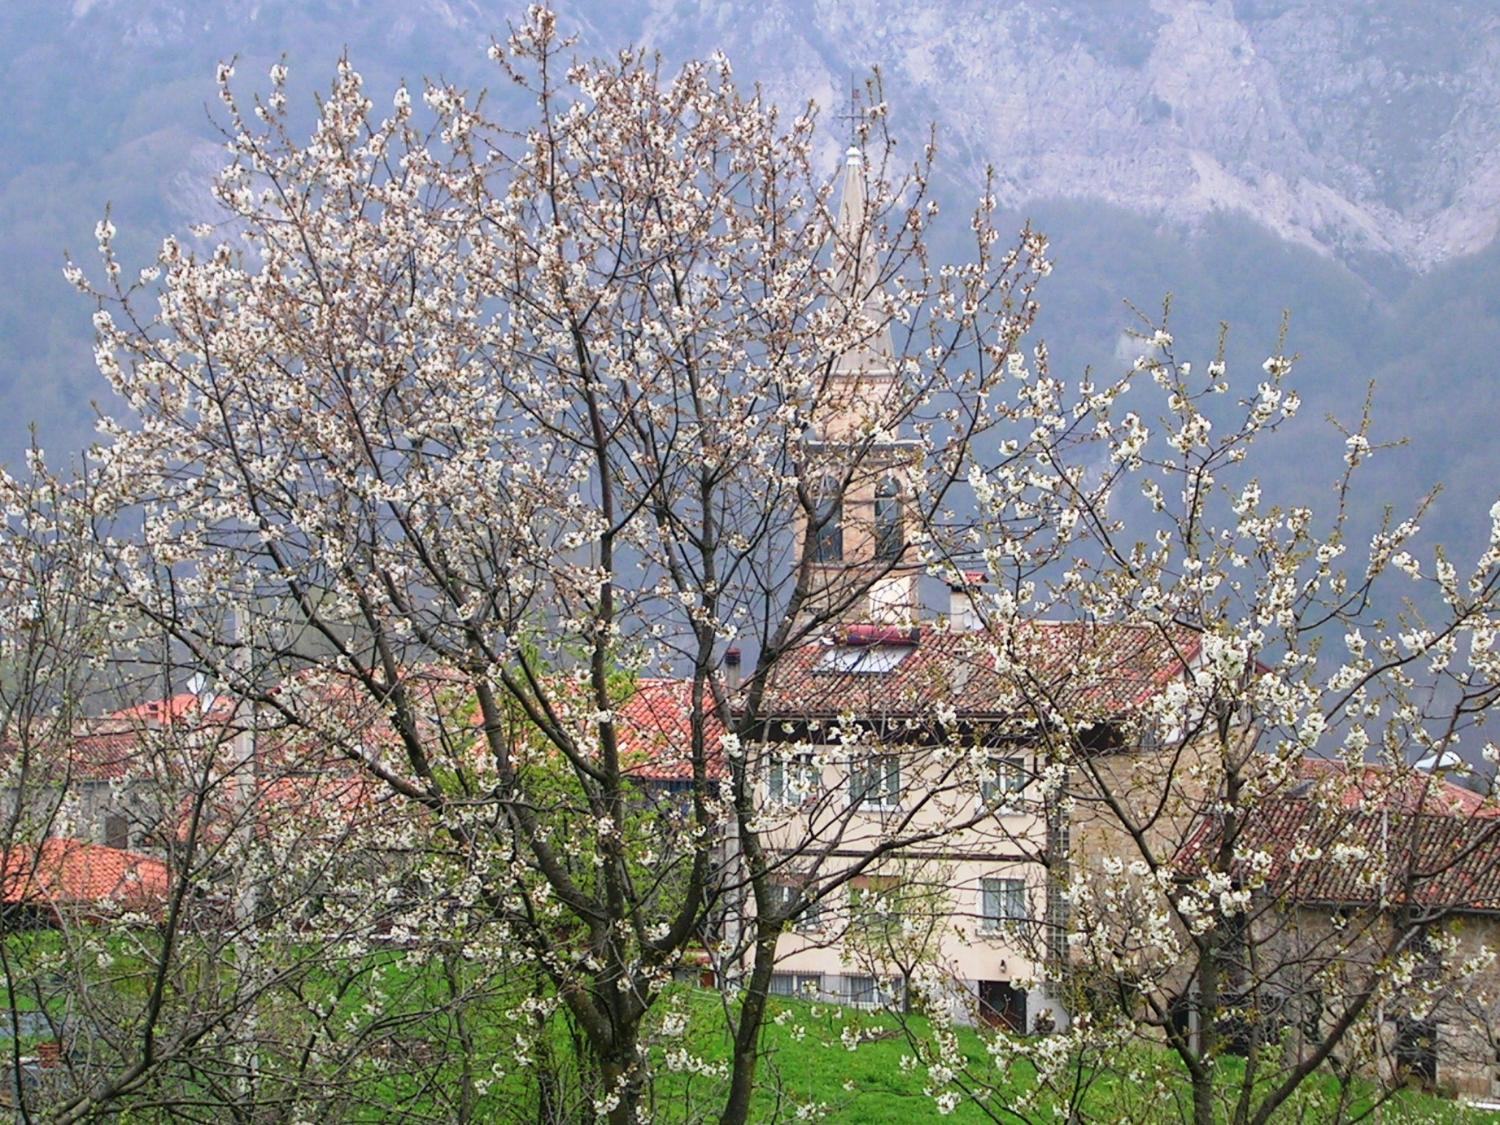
(855, 274)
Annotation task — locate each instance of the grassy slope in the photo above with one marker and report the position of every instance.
(807, 1061)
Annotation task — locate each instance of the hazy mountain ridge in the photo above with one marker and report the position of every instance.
(1354, 128)
(1339, 159)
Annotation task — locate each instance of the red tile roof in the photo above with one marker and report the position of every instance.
(655, 728)
(312, 806)
(104, 755)
(119, 744)
(1357, 838)
(1103, 670)
(61, 873)
(180, 706)
(112, 746)
(1108, 669)
(1411, 790)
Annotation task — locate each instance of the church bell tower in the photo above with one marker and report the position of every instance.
(858, 534)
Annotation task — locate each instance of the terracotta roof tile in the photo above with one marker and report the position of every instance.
(72, 873)
(1104, 670)
(1369, 841)
(1404, 791)
(655, 728)
(177, 707)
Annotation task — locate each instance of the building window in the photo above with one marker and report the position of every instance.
(828, 523)
(791, 779)
(890, 533)
(783, 898)
(116, 831)
(1002, 901)
(875, 781)
(1059, 908)
(1002, 780)
(874, 660)
(806, 986)
(1312, 1014)
(862, 991)
(1416, 1049)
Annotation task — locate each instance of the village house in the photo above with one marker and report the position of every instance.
(1371, 873)
(853, 755)
(96, 787)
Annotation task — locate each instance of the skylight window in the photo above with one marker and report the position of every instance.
(863, 659)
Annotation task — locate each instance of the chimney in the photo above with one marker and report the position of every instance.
(732, 668)
(963, 616)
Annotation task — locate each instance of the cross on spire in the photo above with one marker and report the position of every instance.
(856, 113)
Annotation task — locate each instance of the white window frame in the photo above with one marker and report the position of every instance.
(886, 793)
(777, 771)
(1009, 782)
(1009, 891)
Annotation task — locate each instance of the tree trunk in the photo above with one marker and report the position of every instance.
(467, 1093)
(548, 1076)
(622, 1084)
(747, 1035)
(1208, 1013)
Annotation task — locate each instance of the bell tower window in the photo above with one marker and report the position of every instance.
(890, 532)
(828, 523)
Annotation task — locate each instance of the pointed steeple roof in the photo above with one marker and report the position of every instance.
(855, 273)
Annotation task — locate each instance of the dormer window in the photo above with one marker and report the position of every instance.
(828, 523)
(890, 530)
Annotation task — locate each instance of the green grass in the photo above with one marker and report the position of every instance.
(806, 1061)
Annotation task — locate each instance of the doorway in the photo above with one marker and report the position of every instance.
(1001, 1005)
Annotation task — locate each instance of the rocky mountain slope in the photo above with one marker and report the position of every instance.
(1358, 129)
